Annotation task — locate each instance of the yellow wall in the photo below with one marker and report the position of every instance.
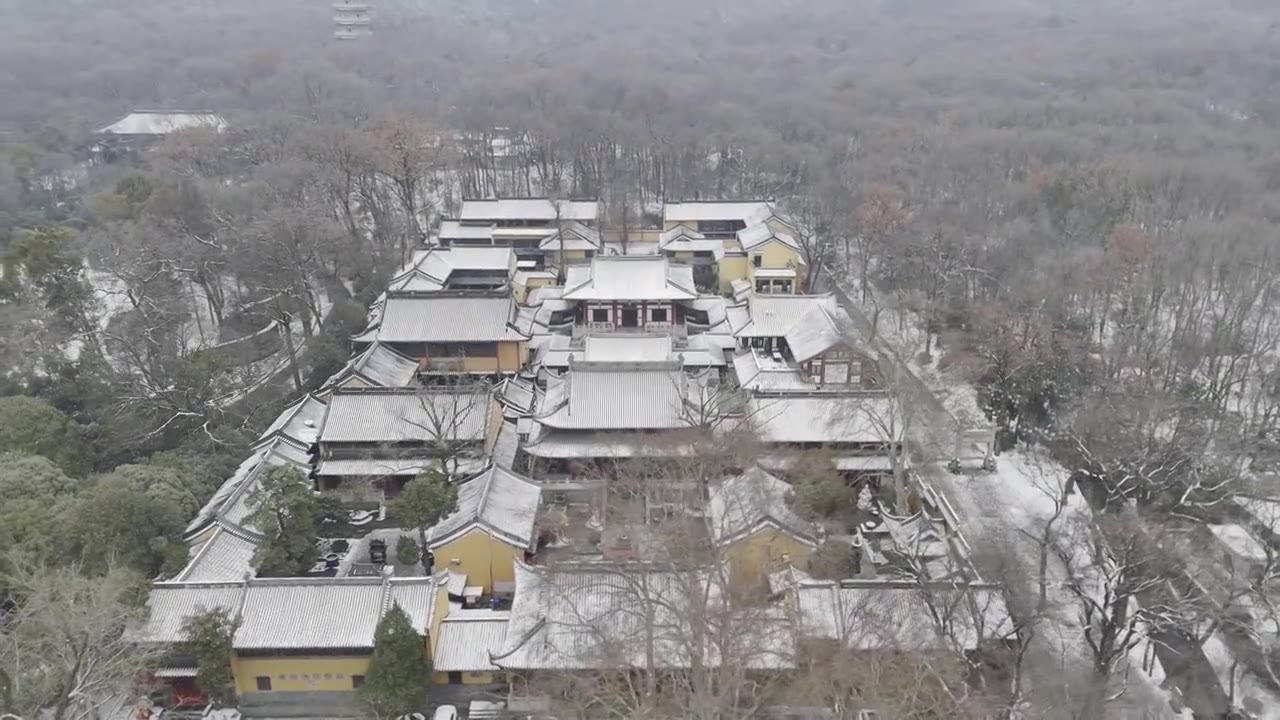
(732, 267)
(751, 558)
(287, 673)
(776, 255)
(484, 558)
(511, 355)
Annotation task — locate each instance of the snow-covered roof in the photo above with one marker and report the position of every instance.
(499, 501)
(170, 604)
(467, 638)
(434, 269)
(300, 421)
(374, 416)
(739, 505)
(326, 613)
(682, 238)
(447, 317)
(627, 348)
(811, 324)
(604, 617)
(226, 555)
(575, 235)
(825, 419)
(528, 209)
(160, 122)
(392, 466)
(757, 371)
(697, 211)
(380, 366)
(754, 236)
(629, 278)
(607, 397)
(873, 615)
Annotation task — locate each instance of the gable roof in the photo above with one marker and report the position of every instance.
(576, 237)
(372, 416)
(756, 235)
(630, 278)
(811, 324)
(498, 500)
(744, 503)
(170, 604)
(161, 122)
(226, 555)
(445, 317)
(683, 238)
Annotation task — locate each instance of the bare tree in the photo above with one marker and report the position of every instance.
(63, 652)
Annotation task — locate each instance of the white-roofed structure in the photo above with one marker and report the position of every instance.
(426, 415)
(573, 236)
(761, 233)
(528, 210)
(592, 617)
(711, 211)
(467, 639)
(610, 397)
(170, 604)
(869, 420)
(226, 555)
(456, 268)
(300, 421)
(627, 278)
(881, 615)
(447, 317)
(499, 503)
(743, 504)
(156, 123)
(378, 365)
(325, 613)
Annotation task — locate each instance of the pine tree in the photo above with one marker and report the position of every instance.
(208, 639)
(399, 673)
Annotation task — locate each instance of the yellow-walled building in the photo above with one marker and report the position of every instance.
(749, 519)
(295, 635)
(493, 527)
(452, 332)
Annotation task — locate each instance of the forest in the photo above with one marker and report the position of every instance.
(1070, 206)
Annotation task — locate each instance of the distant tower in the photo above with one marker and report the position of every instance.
(351, 20)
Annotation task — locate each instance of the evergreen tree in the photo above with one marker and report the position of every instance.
(400, 672)
(289, 513)
(425, 500)
(209, 642)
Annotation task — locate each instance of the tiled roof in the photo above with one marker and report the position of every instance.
(872, 615)
(385, 466)
(527, 209)
(299, 421)
(608, 617)
(372, 416)
(467, 639)
(630, 278)
(694, 211)
(827, 419)
(170, 604)
(447, 317)
(811, 324)
(576, 237)
(380, 366)
(741, 504)
(503, 503)
(226, 555)
(159, 122)
(760, 233)
(310, 614)
(592, 397)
